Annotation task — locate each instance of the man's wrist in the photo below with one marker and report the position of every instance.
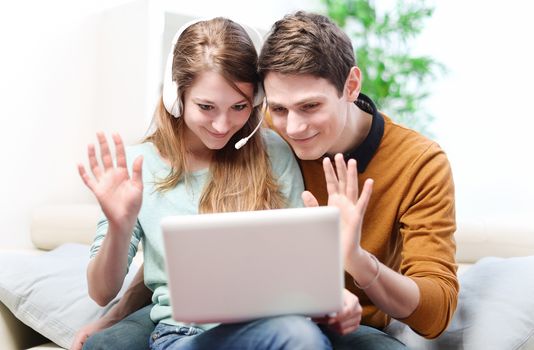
(356, 261)
(364, 269)
(374, 279)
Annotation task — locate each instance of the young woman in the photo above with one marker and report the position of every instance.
(189, 165)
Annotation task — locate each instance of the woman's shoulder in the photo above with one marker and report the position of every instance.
(138, 149)
(145, 149)
(279, 152)
(275, 143)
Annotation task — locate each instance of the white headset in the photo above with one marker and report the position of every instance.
(173, 104)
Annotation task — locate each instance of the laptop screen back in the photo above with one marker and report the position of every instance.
(238, 266)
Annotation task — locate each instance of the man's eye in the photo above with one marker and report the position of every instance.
(205, 107)
(240, 107)
(309, 106)
(278, 110)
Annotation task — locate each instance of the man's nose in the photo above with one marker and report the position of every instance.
(295, 125)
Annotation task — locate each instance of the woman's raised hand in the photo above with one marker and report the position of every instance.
(119, 195)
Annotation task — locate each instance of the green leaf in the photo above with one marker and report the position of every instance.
(393, 77)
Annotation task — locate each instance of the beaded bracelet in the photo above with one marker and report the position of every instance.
(374, 278)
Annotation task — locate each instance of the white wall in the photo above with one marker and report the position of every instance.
(261, 14)
(484, 106)
(68, 69)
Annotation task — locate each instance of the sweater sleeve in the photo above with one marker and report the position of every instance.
(102, 225)
(101, 231)
(427, 226)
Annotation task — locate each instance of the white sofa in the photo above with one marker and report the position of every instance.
(52, 226)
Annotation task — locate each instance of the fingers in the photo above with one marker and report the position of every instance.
(349, 326)
(330, 176)
(105, 154)
(119, 150)
(361, 206)
(352, 181)
(107, 160)
(345, 182)
(341, 169)
(348, 320)
(344, 179)
(78, 341)
(309, 199)
(344, 325)
(95, 168)
(87, 180)
(137, 171)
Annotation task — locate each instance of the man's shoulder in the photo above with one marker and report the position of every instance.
(403, 151)
(399, 139)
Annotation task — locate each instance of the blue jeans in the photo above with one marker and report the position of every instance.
(364, 338)
(281, 333)
(134, 332)
(284, 332)
(131, 333)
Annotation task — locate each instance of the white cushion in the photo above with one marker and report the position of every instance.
(48, 292)
(494, 311)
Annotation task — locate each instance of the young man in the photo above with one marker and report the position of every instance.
(402, 264)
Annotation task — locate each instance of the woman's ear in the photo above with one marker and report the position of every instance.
(353, 84)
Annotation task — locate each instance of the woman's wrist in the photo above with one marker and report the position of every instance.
(120, 230)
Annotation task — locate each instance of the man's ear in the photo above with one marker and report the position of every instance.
(353, 85)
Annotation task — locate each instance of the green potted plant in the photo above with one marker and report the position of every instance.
(395, 79)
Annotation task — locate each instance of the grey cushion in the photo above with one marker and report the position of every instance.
(48, 292)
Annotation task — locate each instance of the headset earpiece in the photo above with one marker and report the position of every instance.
(171, 100)
(260, 96)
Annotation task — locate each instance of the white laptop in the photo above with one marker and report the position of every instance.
(232, 267)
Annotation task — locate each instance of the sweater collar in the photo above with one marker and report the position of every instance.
(366, 150)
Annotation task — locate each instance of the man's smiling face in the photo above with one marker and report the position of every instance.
(307, 111)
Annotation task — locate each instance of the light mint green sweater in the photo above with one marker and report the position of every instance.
(184, 200)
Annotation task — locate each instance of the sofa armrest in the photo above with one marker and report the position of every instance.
(14, 334)
(476, 240)
(52, 226)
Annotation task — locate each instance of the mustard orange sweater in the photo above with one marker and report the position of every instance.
(410, 220)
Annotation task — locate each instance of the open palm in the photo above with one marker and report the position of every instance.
(343, 193)
(119, 195)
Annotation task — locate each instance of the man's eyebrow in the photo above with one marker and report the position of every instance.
(274, 104)
(307, 99)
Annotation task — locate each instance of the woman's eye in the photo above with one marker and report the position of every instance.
(240, 107)
(205, 107)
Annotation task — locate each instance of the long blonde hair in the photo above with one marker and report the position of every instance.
(240, 179)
